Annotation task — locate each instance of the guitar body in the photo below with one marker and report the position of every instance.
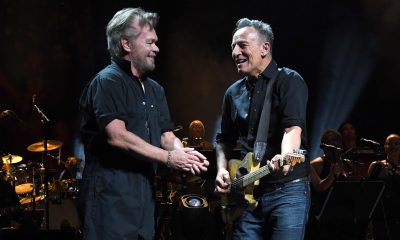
(245, 175)
(239, 199)
(238, 168)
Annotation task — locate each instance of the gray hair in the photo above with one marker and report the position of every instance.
(120, 26)
(264, 29)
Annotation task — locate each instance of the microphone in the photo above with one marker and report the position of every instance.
(370, 142)
(325, 146)
(37, 109)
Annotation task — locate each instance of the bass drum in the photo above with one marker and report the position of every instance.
(63, 214)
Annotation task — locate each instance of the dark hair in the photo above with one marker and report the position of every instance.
(340, 129)
(331, 134)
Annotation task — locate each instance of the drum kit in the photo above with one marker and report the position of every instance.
(28, 179)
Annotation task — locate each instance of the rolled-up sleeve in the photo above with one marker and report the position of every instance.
(107, 99)
(293, 107)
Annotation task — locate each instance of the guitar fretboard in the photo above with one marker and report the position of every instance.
(244, 181)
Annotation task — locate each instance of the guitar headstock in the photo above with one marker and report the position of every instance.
(294, 158)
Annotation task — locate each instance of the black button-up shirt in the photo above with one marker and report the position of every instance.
(114, 93)
(242, 106)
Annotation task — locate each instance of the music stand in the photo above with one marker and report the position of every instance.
(364, 154)
(351, 200)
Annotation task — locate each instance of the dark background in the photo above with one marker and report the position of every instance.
(347, 52)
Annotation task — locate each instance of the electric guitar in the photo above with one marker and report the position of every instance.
(245, 175)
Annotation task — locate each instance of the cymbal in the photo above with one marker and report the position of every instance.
(39, 146)
(30, 199)
(11, 159)
(24, 188)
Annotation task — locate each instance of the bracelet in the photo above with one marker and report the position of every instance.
(169, 158)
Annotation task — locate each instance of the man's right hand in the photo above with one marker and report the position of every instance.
(222, 182)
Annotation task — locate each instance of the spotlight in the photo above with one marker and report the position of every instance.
(193, 220)
(193, 201)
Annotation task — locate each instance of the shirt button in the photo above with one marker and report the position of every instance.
(143, 103)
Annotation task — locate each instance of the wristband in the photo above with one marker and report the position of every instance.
(169, 158)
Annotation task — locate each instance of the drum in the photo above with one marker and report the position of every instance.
(65, 188)
(71, 187)
(23, 177)
(63, 214)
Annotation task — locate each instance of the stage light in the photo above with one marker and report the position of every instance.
(194, 201)
(193, 219)
(347, 62)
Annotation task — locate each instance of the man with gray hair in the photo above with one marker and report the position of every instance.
(275, 206)
(127, 131)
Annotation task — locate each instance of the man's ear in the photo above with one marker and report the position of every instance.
(266, 48)
(126, 45)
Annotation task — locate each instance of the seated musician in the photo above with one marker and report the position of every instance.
(329, 166)
(386, 217)
(196, 137)
(325, 170)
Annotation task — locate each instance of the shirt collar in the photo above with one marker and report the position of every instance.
(270, 70)
(268, 73)
(125, 65)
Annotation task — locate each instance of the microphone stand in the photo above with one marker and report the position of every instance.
(45, 120)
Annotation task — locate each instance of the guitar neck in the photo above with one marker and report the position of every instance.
(253, 176)
(249, 178)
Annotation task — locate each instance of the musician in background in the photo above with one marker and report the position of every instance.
(329, 166)
(196, 137)
(283, 195)
(349, 135)
(386, 218)
(324, 171)
(359, 166)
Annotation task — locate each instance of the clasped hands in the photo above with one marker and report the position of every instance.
(189, 160)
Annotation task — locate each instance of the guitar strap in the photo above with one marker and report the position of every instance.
(260, 144)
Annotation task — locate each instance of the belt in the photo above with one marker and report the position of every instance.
(270, 187)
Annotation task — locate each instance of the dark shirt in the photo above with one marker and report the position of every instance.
(391, 193)
(241, 111)
(9, 203)
(117, 190)
(114, 93)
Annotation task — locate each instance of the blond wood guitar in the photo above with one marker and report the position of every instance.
(242, 186)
